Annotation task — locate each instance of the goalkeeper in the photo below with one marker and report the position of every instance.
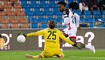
(52, 45)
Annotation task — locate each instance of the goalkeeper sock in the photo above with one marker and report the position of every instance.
(35, 56)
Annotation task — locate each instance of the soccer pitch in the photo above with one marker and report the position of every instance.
(69, 55)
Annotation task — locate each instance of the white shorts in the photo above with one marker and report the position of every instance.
(71, 33)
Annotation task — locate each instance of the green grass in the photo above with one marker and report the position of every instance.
(69, 55)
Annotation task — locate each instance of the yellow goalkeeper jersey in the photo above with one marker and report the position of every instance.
(51, 37)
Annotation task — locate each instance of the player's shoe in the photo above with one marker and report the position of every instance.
(92, 48)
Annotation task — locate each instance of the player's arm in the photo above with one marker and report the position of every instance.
(65, 17)
(41, 32)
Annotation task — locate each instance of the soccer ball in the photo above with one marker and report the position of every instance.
(21, 39)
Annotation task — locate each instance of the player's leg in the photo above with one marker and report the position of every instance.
(48, 53)
(90, 47)
(73, 39)
(61, 41)
(42, 55)
(83, 45)
(72, 36)
(31, 56)
(60, 54)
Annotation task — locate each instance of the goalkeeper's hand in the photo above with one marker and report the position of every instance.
(78, 45)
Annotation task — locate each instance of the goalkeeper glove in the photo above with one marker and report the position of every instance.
(78, 45)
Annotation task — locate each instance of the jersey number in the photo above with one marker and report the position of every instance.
(53, 34)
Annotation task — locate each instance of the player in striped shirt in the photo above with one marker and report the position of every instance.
(71, 26)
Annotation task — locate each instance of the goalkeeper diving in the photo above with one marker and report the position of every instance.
(52, 44)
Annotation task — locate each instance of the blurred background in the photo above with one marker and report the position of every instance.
(34, 14)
